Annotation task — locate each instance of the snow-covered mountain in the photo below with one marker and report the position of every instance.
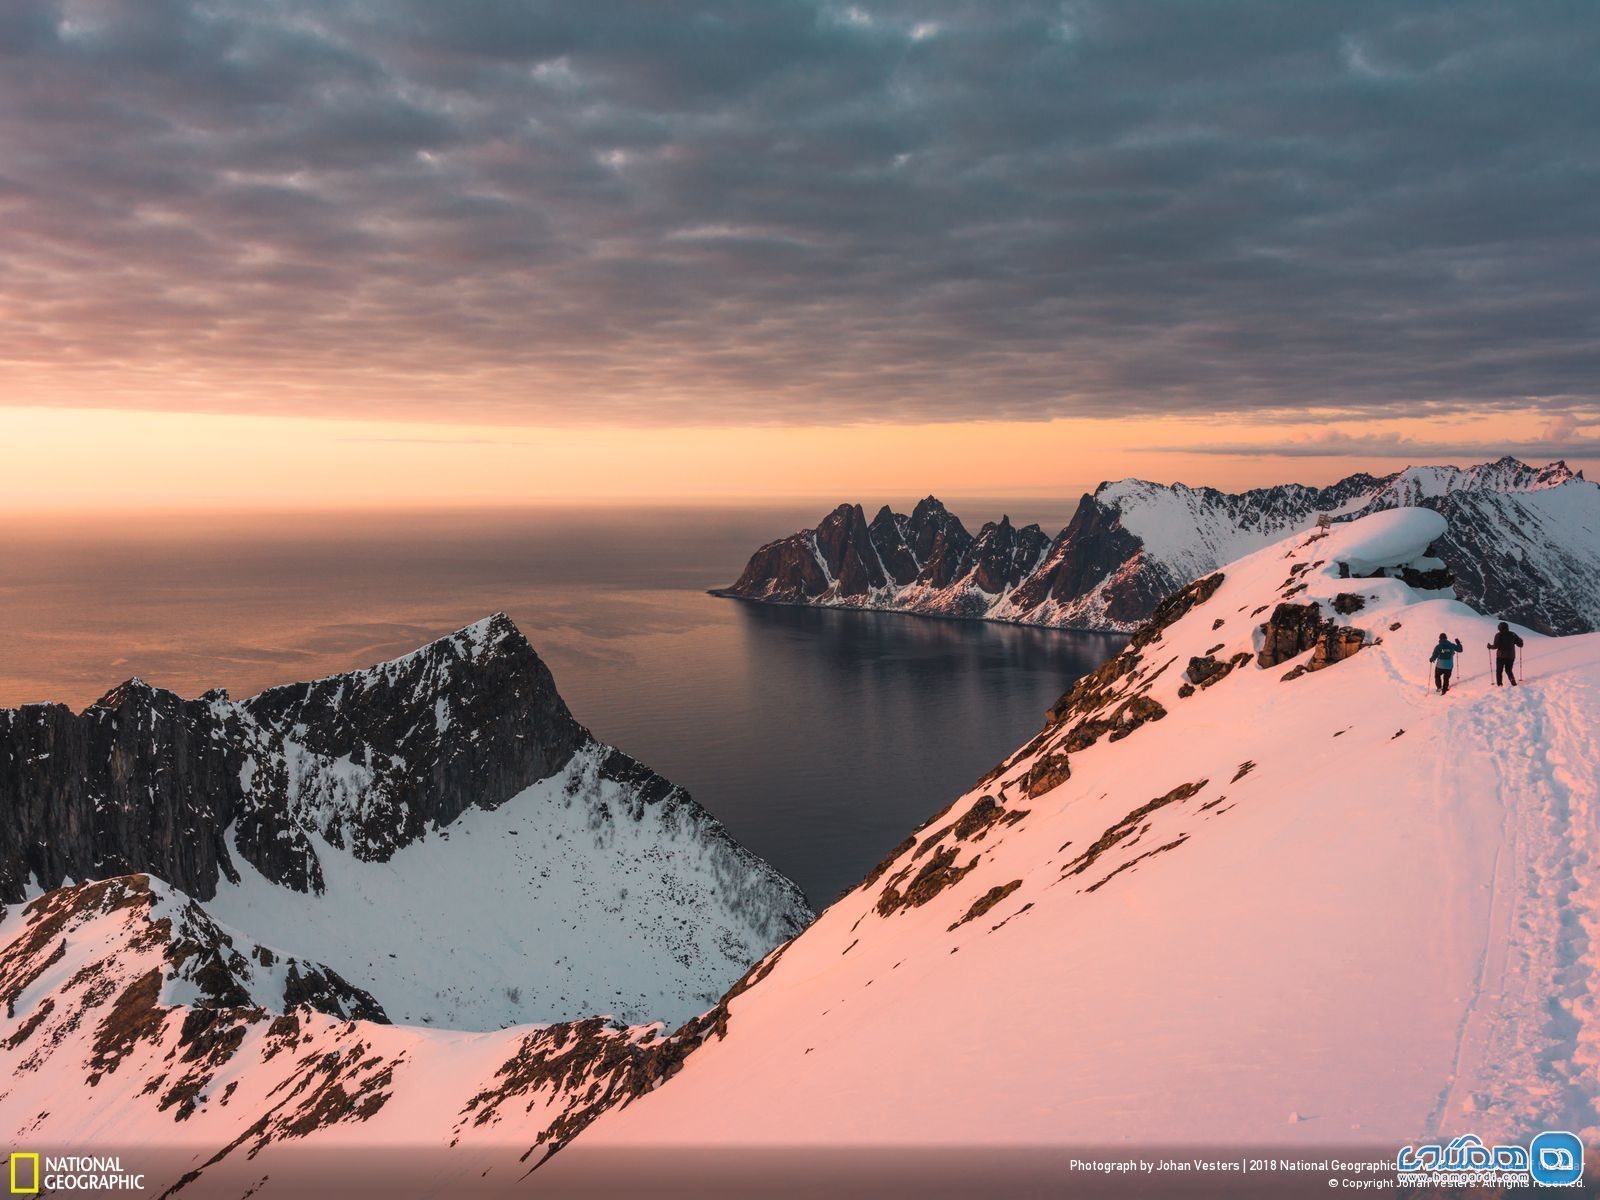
(1253, 884)
(1523, 542)
(438, 829)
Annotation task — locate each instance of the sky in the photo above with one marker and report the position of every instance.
(290, 252)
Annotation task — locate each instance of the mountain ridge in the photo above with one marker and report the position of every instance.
(1523, 541)
(380, 795)
(1253, 883)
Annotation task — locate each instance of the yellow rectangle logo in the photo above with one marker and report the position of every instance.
(30, 1185)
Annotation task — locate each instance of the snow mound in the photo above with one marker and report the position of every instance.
(1384, 539)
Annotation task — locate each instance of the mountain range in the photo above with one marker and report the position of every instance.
(1523, 542)
(1254, 883)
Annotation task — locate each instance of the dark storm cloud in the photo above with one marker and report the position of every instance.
(507, 210)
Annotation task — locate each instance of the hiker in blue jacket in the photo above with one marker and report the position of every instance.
(1443, 659)
(1505, 654)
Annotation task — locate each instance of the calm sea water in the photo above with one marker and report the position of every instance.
(819, 738)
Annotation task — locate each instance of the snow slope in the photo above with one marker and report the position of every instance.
(1330, 909)
(573, 898)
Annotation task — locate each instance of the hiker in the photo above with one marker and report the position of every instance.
(1443, 659)
(1505, 654)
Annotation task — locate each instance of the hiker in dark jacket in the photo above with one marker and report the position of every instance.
(1443, 659)
(1505, 654)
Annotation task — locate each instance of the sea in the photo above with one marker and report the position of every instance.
(820, 738)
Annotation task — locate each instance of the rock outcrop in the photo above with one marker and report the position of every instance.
(1295, 628)
(1289, 632)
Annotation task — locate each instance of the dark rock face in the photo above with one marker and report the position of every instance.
(1207, 671)
(947, 554)
(1291, 630)
(934, 534)
(1002, 553)
(888, 532)
(1337, 643)
(845, 544)
(1295, 628)
(463, 722)
(848, 561)
(1501, 563)
(1435, 580)
(143, 781)
(785, 572)
(1092, 548)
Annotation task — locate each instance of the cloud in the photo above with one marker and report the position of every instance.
(795, 211)
(1562, 439)
(434, 441)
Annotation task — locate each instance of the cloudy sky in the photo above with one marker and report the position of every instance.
(486, 248)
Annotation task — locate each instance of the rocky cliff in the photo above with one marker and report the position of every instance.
(146, 781)
(1523, 542)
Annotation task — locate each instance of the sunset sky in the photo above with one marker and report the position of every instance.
(493, 251)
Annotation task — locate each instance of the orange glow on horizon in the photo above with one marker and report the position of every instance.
(90, 459)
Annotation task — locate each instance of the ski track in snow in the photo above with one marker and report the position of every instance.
(1540, 966)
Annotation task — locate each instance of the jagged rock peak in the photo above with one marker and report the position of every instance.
(134, 689)
(491, 636)
(494, 634)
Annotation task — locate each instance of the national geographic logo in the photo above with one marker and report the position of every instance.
(24, 1174)
(29, 1173)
